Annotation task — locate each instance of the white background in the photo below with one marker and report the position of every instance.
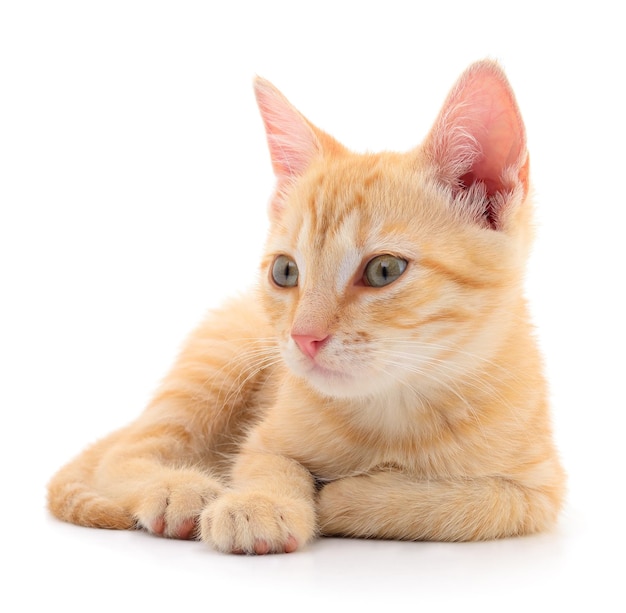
(133, 184)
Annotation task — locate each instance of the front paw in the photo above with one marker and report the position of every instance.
(171, 503)
(250, 522)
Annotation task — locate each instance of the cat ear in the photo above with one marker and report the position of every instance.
(478, 144)
(292, 141)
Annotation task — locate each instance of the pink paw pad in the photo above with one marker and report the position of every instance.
(261, 547)
(291, 545)
(158, 526)
(187, 529)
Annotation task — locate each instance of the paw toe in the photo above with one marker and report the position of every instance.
(187, 529)
(261, 547)
(291, 545)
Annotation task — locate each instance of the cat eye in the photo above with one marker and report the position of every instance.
(285, 272)
(383, 270)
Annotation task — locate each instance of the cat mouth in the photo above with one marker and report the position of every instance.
(312, 369)
(328, 379)
(335, 381)
(330, 382)
(328, 373)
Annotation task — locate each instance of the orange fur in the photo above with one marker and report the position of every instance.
(418, 409)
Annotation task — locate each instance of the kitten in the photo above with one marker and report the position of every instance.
(382, 381)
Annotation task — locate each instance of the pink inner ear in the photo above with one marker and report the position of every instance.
(499, 134)
(479, 136)
(291, 140)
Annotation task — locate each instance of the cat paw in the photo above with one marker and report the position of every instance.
(254, 523)
(171, 504)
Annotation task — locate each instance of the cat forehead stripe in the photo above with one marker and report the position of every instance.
(336, 252)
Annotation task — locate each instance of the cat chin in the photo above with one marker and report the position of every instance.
(324, 380)
(333, 389)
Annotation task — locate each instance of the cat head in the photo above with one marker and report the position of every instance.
(397, 269)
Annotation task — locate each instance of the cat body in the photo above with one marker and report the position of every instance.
(381, 381)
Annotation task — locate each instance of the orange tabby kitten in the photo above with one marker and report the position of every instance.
(382, 381)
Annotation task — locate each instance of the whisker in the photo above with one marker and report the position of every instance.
(417, 345)
(262, 355)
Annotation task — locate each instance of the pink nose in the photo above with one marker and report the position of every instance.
(309, 344)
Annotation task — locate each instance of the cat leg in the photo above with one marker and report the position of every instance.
(72, 497)
(159, 472)
(395, 506)
(151, 473)
(169, 502)
(271, 510)
(139, 477)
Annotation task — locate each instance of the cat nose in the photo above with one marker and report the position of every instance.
(310, 344)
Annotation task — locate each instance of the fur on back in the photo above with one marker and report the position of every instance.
(416, 409)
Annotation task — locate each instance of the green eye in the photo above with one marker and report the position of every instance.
(383, 270)
(285, 272)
